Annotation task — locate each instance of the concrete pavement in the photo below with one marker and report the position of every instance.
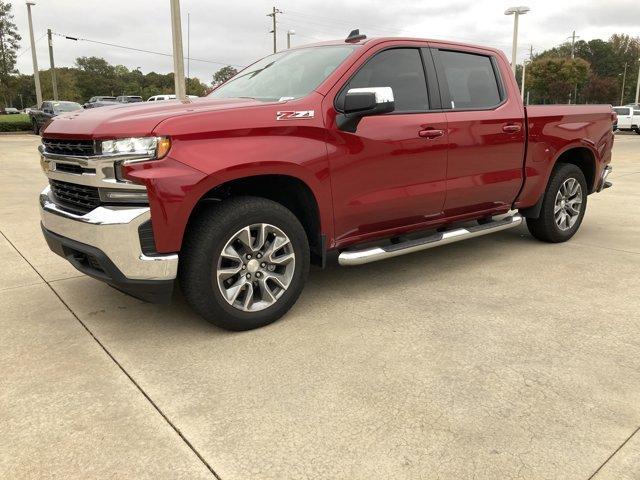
(500, 357)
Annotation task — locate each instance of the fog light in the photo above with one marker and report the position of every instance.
(124, 196)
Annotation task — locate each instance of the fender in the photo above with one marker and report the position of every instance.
(176, 186)
(548, 142)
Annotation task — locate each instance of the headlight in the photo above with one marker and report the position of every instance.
(149, 147)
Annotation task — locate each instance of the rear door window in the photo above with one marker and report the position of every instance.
(398, 68)
(471, 80)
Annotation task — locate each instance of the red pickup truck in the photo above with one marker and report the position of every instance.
(370, 148)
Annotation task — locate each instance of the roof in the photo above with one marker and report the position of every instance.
(378, 40)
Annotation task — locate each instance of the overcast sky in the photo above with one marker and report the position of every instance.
(237, 32)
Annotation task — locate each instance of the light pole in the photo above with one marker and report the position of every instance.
(516, 12)
(624, 81)
(36, 73)
(524, 71)
(638, 84)
(178, 54)
(289, 33)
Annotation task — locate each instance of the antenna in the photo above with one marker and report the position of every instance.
(355, 36)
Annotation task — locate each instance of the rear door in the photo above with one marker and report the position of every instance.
(391, 172)
(486, 131)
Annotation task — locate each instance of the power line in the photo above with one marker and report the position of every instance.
(28, 49)
(78, 39)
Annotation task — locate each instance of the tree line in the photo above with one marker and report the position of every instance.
(585, 72)
(588, 72)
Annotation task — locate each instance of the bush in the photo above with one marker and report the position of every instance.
(15, 123)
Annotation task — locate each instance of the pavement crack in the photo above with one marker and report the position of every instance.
(118, 364)
(614, 453)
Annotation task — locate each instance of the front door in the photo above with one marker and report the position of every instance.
(390, 173)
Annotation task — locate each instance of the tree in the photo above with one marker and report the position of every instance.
(554, 80)
(224, 74)
(9, 43)
(601, 90)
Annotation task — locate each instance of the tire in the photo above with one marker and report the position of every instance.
(34, 126)
(202, 263)
(556, 227)
(637, 131)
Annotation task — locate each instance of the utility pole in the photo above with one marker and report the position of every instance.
(573, 44)
(524, 71)
(178, 54)
(273, 14)
(638, 84)
(624, 81)
(36, 73)
(53, 66)
(188, 50)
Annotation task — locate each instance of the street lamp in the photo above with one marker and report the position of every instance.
(638, 83)
(289, 33)
(36, 73)
(516, 12)
(624, 81)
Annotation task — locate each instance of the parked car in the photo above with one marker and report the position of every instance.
(373, 149)
(99, 101)
(157, 98)
(48, 110)
(129, 99)
(628, 119)
(11, 111)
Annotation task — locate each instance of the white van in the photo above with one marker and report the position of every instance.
(157, 98)
(628, 119)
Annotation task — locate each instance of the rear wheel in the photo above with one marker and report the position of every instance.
(34, 126)
(563, 205)
(244, 263)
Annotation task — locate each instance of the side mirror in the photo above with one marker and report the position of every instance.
(364, 102)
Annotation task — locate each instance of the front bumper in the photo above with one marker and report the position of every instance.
(105, 244)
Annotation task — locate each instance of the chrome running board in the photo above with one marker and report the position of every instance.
(373, 254)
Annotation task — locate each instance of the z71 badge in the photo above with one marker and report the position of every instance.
(294, 115)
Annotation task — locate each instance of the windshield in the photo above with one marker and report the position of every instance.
(285, 75)
(622, 111)
(59, 107)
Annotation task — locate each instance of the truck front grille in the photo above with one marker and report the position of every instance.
(69, 147)
(76, 198)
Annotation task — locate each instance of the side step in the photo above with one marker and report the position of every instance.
(367, 255)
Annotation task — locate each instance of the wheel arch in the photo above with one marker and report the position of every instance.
(580, 155)
(289, 191)
(585, 159)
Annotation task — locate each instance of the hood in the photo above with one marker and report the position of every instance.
(134, 119)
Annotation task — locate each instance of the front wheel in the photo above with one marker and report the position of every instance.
(244, 263)
(563, 205)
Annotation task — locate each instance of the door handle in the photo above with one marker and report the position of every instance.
(511, 128)
(431, 133)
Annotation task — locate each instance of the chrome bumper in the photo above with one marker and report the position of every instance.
(114, 231)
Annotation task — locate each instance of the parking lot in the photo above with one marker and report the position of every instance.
(496, 358)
